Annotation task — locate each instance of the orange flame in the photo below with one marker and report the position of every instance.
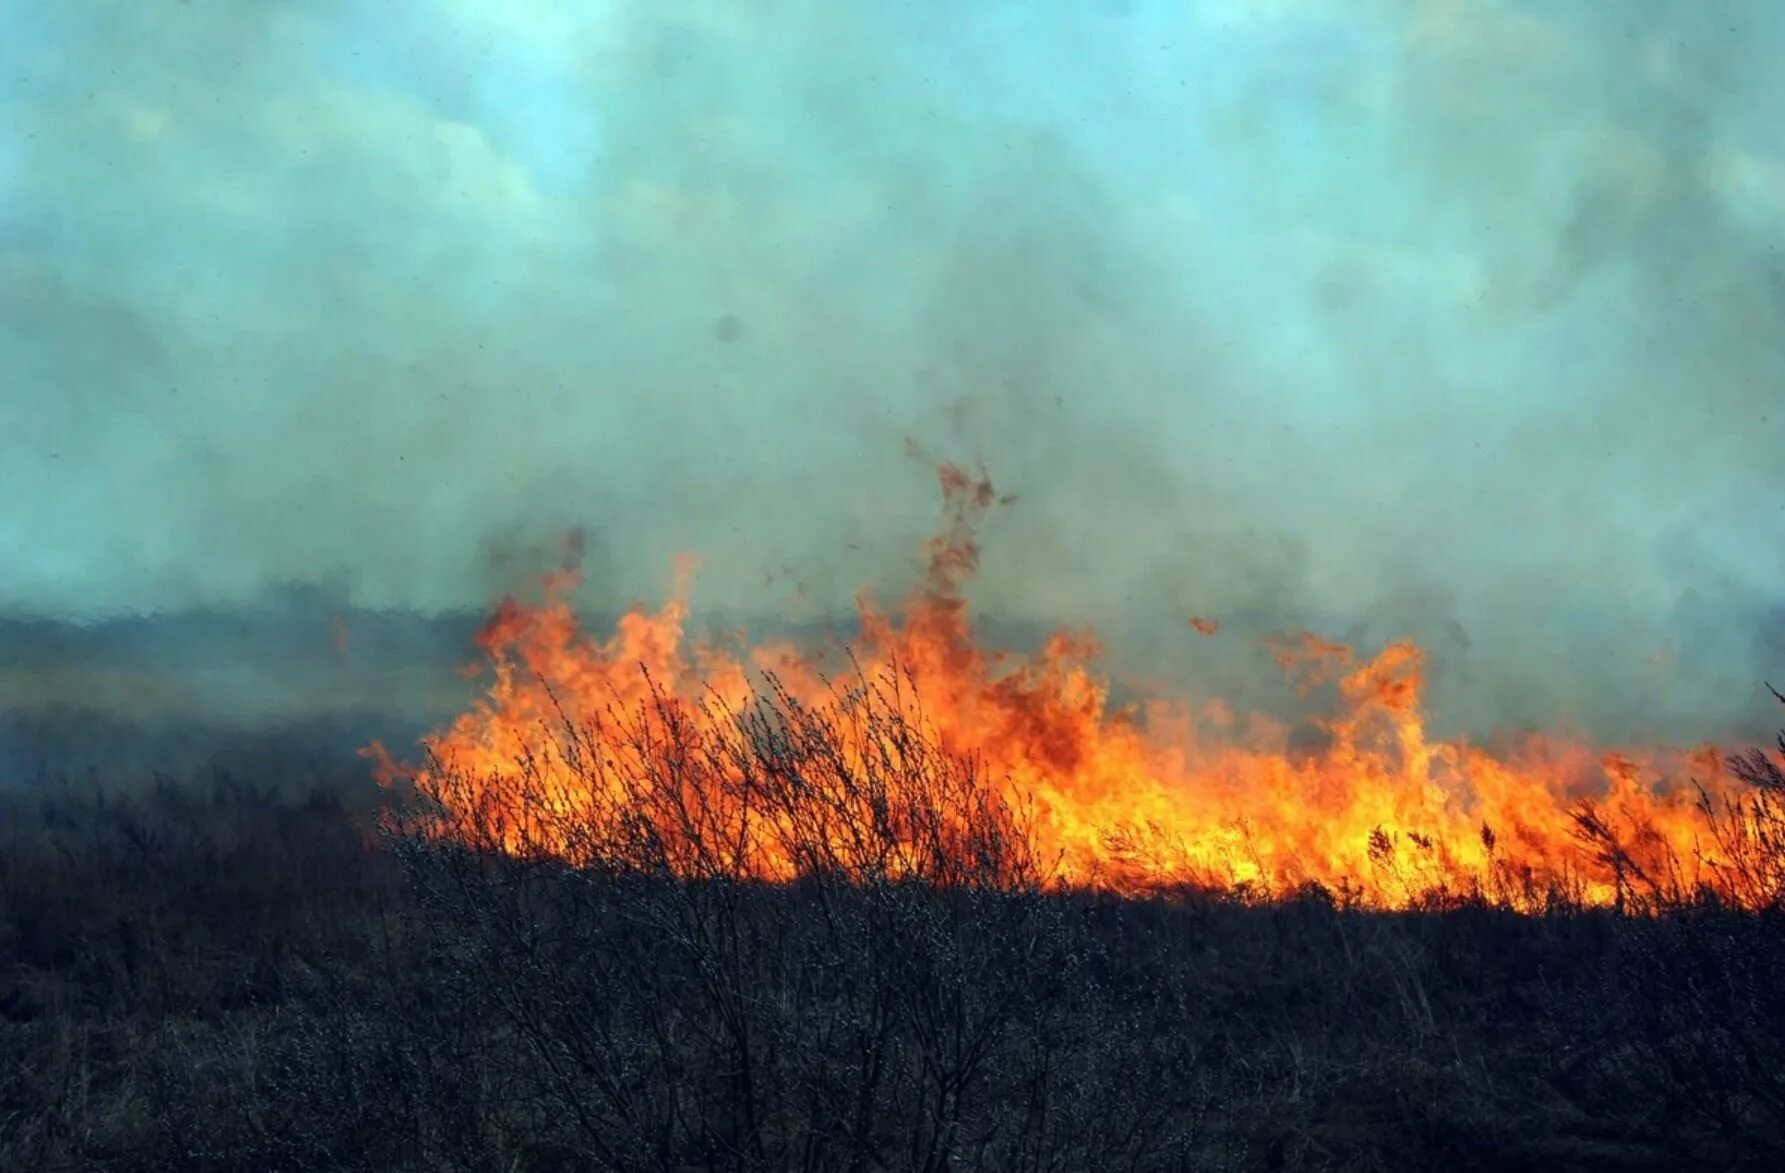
(1362, 803)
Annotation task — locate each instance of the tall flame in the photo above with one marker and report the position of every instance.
(1139, 799)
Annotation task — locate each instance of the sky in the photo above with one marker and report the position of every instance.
(1457, 318)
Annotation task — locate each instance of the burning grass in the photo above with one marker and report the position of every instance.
(221, 978)
(720, 759)
(656, 907)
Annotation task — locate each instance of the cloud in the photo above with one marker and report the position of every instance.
(1419, 315)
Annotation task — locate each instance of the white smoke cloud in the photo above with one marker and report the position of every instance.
(1451, 318)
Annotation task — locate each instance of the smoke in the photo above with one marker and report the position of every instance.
(1458, 320)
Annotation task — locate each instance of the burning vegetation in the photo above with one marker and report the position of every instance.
(914, 752)
(909, 905)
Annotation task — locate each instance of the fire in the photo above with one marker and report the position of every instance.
(579, 746)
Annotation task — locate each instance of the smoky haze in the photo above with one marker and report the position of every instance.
(1456, 320)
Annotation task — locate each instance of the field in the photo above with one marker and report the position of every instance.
(278, 965)
(513, 658)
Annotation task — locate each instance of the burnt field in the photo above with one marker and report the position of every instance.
(269, 962)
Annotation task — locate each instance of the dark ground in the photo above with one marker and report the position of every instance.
(233, 974)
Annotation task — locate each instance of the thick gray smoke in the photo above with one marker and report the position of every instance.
(1451, 318)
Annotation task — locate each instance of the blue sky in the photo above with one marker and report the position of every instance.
(1433, 312)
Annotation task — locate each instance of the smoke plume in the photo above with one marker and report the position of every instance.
(1454, 320)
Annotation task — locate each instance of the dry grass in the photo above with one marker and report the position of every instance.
(241, 977)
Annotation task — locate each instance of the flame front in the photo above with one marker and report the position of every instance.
(1144, 800)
